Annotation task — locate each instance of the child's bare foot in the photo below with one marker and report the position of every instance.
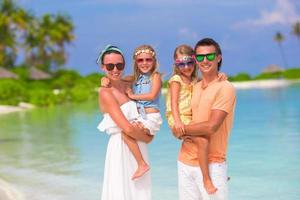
(141, 170)
(209, 187)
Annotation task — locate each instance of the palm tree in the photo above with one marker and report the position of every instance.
(12, 20)
(280, 38)
(296, 30)
(62, 35)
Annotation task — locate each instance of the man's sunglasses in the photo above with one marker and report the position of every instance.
(111, 66)
(183, 64)
(209, 57)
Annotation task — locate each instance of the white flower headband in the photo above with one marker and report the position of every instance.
(184, 59)
(138, 52)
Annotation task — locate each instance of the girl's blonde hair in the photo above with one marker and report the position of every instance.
(144, 49)
(184, 50)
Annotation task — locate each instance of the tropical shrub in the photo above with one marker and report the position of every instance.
(240, 77)
(275, 75)
(293, 73)
(12, 92)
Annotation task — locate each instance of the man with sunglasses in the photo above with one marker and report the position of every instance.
(213, 104)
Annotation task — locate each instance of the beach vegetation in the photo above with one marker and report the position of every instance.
(240, 77)
(292, 73)
(65, 86)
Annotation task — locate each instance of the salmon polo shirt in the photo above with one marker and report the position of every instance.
(217, 95)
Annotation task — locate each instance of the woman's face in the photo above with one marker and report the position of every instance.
(144, 62)
(113, 66)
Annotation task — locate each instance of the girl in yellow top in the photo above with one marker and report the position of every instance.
(178, 105)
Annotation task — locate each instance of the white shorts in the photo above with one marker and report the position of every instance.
(152, 122)
(190, 182)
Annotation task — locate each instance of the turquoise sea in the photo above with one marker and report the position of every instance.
(57, 153)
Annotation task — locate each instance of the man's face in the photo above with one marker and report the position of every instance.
(207, 60)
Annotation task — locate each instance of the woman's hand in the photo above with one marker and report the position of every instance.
(105, 82)
(129, 93)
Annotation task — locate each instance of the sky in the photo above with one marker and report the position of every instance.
(245, 30)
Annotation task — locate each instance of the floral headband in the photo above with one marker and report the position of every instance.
(107, 49)
(184, 59)
(138, 52)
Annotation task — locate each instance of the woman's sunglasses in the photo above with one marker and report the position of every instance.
(111, 66)
(209, 57)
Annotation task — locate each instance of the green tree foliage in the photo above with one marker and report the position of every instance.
(275, 75)
(293, 73)
(43, 39)
(12, 21)
(240, 77)
(12, 92)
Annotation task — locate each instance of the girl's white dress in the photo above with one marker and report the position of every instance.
(120, 164)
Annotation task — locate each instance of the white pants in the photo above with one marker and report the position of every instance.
(190, 182)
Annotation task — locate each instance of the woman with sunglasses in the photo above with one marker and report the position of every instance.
(146, 87)
(119, 114)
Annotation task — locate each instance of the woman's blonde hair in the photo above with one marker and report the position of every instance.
(144, 49)
(184, 50)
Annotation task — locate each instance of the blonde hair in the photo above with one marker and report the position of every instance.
(184, 50)
(144, 49)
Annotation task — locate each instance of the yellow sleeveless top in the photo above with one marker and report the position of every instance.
(184, 104)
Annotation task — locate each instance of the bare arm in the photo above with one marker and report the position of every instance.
(174, 91)
(156, 86)
(110, 105)
(206, 128)
(203, 128)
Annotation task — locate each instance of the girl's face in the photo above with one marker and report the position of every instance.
(145, 62)
(184, 65)
(113, 66)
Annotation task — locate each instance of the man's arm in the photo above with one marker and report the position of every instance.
(203, 128)
(206, 128)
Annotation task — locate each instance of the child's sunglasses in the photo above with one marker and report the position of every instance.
(111, 66)
(182, 64)
(209, 57)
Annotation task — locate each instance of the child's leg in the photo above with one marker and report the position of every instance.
(143, 167)
(202, 147)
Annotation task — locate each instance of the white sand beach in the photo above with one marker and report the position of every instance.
(4, 109)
